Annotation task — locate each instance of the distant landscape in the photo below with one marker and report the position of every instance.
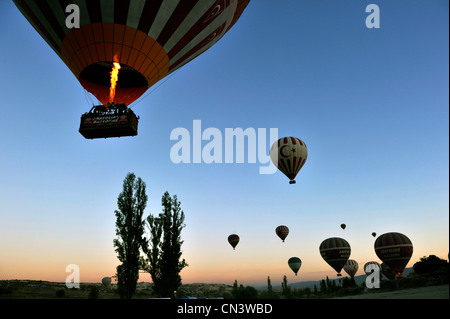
(359, 280)
(36, 289)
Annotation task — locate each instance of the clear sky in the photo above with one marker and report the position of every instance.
(372, 105)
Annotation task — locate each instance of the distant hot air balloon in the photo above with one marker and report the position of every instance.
(106, 282)
(369, 263)
(374, 234)
(295, 263)
(144, 41)
(233, 239)
(282, 232)
(388, 272)
(394, 249)
(351, 267)
(343, 226)
(335, 251)
(289, 155)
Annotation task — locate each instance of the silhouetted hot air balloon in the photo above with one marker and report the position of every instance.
(143, 40)
(343, 226)
(295, 263)
(388, 272)
(335, 251)
(282, 232)
(370, 263)
(289, 155)
(233, 239)
(351, 267)
(394, 249)
(374, 234)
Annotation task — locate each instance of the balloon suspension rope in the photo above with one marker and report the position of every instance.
(153, 90)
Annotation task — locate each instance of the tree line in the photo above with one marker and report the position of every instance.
(429, 271)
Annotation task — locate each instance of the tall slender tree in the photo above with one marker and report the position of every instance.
(269, 286)
(130, 231)
(163, 248)
(286, 290)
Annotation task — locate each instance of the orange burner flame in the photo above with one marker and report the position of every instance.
(114, 77)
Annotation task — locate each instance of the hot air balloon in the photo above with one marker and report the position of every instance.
(394, 249)
(295, 263)
(335, 251)
(388, 272)
(282, 232)
(351, 267)
(233, 239)
(343, 226)
(106, 282)
(369, 263)
(144, 41)
(374, 234)
(289, 155)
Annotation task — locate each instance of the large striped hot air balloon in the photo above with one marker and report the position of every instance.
(335, 251)
(351, 267)
(289, 155)
(395, 250)
(295, 263)
(282, 232)
(233, 240)
(143, 40)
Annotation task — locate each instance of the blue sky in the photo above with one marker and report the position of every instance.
(372, 106)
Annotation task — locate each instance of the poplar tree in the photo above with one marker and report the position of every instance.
(163, 248)
(129, 230)
(269, 286)
(286, 290)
